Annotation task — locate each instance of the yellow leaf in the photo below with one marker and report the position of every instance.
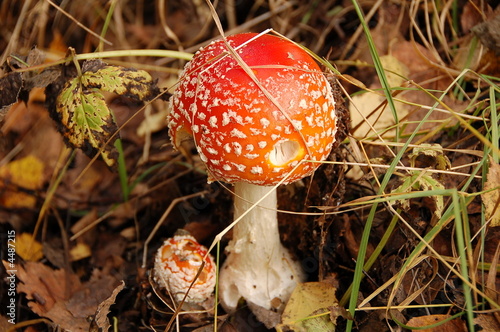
(80, 251)
(396, 71)
(18, 177)
(491, 196)
(29, 248)
(309, 308)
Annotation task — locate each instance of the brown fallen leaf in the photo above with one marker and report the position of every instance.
(454, 325)
(80, 251)
(84, 301)
(472, 15)
(488, 323)
(489, 33)
(101, 322)
(16, 85)
(47, 291)
(60, 296)
(492, 281)
(10, 86)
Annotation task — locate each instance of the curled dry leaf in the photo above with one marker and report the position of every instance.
(424, 156)
(371, 107)
(47, 291)
(10, 86)
(16, 85)
(101, 321)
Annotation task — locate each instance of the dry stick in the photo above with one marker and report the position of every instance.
(11, 154)
(406, 168)
(42, 24)
(66, 256)
(55, 182)
(115, 9)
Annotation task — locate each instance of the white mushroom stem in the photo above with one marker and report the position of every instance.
(258, 268)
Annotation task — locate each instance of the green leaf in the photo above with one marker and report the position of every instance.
(87, 121)
(128, 82)
(83, 116)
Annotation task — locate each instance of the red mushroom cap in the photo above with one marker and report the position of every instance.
(240, 133)
(176, 265)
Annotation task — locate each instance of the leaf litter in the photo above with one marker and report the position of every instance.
(60, 295)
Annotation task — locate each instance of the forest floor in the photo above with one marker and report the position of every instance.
(398, 229)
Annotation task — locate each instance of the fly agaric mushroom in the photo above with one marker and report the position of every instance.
(176, 266)
(256, 127)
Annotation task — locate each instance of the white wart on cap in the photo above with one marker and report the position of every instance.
(242, 135)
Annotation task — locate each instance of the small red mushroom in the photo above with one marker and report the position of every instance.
(270, 123)
(176, 265)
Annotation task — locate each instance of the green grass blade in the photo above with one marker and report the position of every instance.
(461, 226)
(122, 170)
(378, 67)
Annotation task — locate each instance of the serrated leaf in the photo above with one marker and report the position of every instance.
(128, 82)
(87, 121)
(82, 113)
